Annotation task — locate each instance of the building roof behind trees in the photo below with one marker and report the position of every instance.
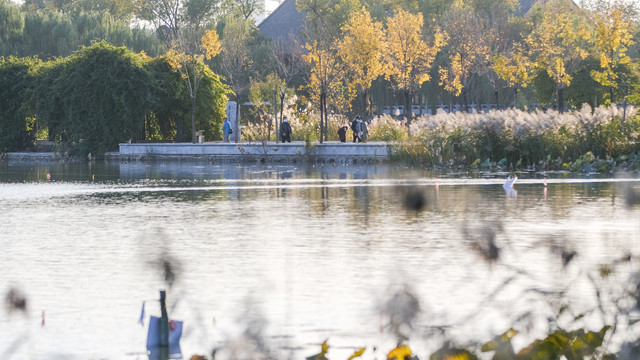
(286, 21)
(283, 23)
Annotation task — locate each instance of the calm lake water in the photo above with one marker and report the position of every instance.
(299, 255)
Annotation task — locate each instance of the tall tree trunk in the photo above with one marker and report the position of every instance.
(495, 94)
(561, 100)
(326, 119)
(279, 122)
(515, 96)
(624, 105)
(465, 102)
(193, 119)
(611, 94)
(275, 118)
(364, 103)
(321, 115)
(407, 107)
(450, 103)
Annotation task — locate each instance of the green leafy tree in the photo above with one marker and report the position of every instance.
(211, 104)
(187, 57)
(96, 98)
(433, 10)
(242, 9)
(169, 116)
(47, 33)
(11, 28)
(51, 5)
(164, 14)
(391, 6)
(122, 10)
(169, 111)
(584, 89)
(329, 14)
(200, 13)
(17, 121)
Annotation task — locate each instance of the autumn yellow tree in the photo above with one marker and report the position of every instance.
(469, 51)
(361, 50)
(514, 66)
(408, 57)
(453, 74)
(500, 30)
(187, 57)
(613, 38)
(325, 69)
(559, 42)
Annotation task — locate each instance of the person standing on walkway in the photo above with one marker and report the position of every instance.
(365, 131)
(226, 130)
(342, 133)
(360, 131)
(354, 129)
(285, 131)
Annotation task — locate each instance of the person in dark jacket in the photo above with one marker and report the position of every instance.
(342, 133)
(285, 131)
(365, 131)
(353, 128)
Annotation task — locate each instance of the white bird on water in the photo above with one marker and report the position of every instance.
(509, 183)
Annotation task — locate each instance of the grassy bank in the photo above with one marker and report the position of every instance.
(587, 140)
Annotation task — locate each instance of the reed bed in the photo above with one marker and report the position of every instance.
(516, 139)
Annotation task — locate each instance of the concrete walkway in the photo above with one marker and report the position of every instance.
(328, 151)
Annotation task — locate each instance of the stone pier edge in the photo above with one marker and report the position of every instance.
(329, 152)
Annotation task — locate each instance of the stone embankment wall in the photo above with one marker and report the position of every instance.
(296, 152)
(331, 152)
(31, 156)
